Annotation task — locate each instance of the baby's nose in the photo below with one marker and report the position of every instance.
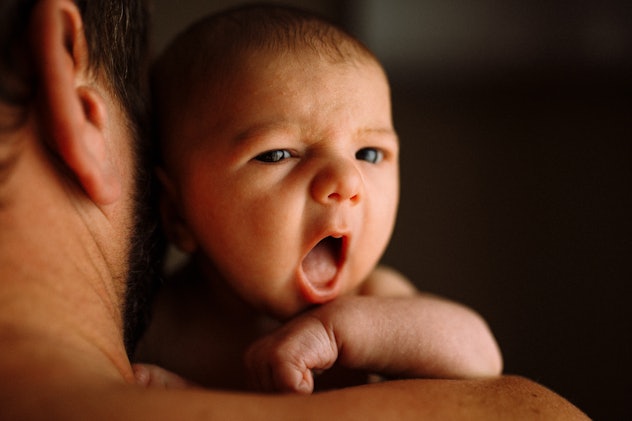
(337, 181)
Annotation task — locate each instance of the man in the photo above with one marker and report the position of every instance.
(71, 112)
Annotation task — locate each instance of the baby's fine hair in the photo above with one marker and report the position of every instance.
(203, 57)
(277, 28)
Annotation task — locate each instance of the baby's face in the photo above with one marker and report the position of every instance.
(292, 188)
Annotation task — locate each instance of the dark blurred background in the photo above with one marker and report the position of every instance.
(515, 119)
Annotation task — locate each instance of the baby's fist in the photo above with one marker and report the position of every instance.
(284, 360)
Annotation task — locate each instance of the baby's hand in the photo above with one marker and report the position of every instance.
(149, 375)
(284, 361)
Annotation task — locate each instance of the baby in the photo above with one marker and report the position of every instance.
(281, 181)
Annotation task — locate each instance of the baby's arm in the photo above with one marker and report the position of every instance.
(406, 334)
(459, 338)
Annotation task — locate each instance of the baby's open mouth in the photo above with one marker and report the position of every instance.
(321, 263)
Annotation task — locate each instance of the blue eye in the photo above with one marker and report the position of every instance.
(274, 156)
(371, 155)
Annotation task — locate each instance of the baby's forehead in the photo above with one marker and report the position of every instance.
(253, 60)
(252, 69)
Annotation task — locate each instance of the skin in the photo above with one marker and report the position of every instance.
(63, 240)
(85, 128)
(242, 209)
(374, 334)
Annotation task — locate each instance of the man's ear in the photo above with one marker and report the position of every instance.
(74, 112)
(175, 226)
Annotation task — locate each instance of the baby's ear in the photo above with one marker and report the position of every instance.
(174, 224)
(73, 113)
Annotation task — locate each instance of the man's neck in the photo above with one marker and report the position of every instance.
(55, 281)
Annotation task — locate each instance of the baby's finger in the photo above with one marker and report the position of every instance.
(149, 375)
(292, 378)
(274, 369)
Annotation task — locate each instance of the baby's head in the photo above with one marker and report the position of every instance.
(279, 155)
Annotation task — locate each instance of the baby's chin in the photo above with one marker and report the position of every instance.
(283, 314)
(284, 311)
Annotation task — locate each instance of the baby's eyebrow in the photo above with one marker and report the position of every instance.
(380, 131)
(256, 131)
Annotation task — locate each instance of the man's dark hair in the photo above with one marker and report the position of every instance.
(117, 35)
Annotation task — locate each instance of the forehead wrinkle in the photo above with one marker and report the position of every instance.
(261, 129)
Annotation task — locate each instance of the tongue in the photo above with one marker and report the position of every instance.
(320, 264)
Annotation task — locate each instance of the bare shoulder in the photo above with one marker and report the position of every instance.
(385, 281)
(527, 399)
(497, 398)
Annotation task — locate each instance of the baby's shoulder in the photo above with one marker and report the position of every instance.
(385, 281)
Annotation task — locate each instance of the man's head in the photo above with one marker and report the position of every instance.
(116, 33)
(280, 157)
(76, 71)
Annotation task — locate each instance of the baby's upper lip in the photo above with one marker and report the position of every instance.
(339, 240)
(337, 244)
